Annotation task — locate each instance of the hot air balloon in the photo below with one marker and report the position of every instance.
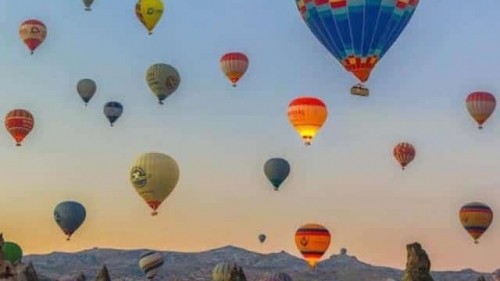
(149, 13)
(276, 170)
(87, 4)
(150, 263)
(480, 106)
(69, 215)
(262, 238)
(223, 271)
(312, 240)
(234, 65)
(113, 110)
(12, 252)
(19, 123)
(476, 218)
(163, 80)
(33, 33)
(404, 153)
(154, 176)
(86, 89)
(307, 115)
(357, 33)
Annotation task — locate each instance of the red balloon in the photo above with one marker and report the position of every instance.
(19, 123)
(404, 153)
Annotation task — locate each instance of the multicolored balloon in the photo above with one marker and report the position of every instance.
(33, 32)
(69, 215)
(476, 218)
(222, 271)
(404, 153)
(150, 263)
(262, 238)
(154, 176)
(12, 252)
(307, 115)
(87, 4)
(357, 33)
(313, 241)
(86, 88)
(276, 170)
(480, 106)
(163, 80)
(19, 123)
(113, 110)
(234, 65)
(149, 13)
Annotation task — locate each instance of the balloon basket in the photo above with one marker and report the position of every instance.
(360, 90)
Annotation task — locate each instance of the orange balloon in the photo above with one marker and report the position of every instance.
(19, 123)
(33, 32)
(312, 240)
(307, 115)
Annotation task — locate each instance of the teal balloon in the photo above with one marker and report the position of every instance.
(69, 215)
(277, 170)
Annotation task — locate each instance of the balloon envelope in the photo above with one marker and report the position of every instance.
(19, 123)
(312, 240)
(307, 115)
(150, 263)
(234, 65)
(33, 32)
(476, 218)
(113, 110)
(222, 271)
(357, 33)
(69, 215)
(276, 170)
(480, 106)
(163, 80)
(12, 252)
(404, 153)
(154, 176)
(262, 238)
(86, 88)
(149, 13)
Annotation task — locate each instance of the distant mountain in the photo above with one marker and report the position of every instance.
(122, 265)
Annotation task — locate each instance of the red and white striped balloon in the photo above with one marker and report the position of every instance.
(404, 153)
(480, 106)
(234, 65)
(19, 123)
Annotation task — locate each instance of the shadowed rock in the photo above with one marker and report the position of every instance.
(418, 265)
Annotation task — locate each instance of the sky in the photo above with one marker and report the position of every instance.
(221, 136)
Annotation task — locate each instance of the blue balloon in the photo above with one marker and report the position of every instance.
(113, 110)
(69, 215)
(277, 170)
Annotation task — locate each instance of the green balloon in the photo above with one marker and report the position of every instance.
(12, 252)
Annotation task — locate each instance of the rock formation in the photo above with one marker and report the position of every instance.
(103, 275)
(15, 272)
(418, 265)
(481, 278)
(237, 274)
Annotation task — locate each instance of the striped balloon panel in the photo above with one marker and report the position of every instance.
(480, 106)
(234, 65)
(357, 32)
(69, 216)
(222, 271)
(19, 123)
(476, 218)
(151, 263)
(163, 80)
(312, 240)
(113, 110)
(33, 33)
(404, 153)
(307, 115)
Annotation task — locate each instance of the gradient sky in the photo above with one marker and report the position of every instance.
(221, 137)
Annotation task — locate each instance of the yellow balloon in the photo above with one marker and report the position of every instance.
(149, 13)
(154, 176)
(307, 115)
